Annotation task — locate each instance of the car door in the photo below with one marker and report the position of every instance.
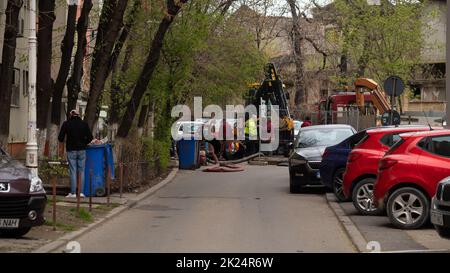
(434, 161)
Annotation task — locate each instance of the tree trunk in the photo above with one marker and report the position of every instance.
(150, 120)
(74, 82)
(115, 87)
(299, 79)
(64, 68)
(131, 19)
(103, 26)
(44, 66)
(142, 118)
(100, 71)
(117, 92)
(7, 69)
(148, 69)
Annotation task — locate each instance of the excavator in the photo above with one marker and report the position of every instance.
(270, 92)
(368, 95)
(376, 95)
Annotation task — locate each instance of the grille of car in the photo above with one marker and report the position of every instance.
(439, 191)
(314, 165)
(443, 208)
(446, 193)
(14, 207)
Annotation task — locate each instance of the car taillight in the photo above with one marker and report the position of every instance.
(353, 157)
(325, 154)
(386, 164)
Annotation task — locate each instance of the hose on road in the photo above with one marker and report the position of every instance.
(230, 165)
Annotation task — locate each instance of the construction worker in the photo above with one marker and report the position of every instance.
(251, 134)
(307, 122)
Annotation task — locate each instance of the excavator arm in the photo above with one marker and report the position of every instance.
(376, 92)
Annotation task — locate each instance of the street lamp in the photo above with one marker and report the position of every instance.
(32, 146)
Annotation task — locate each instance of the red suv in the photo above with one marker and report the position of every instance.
(362, 165)
(408, 175)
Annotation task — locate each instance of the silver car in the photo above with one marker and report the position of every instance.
(440, 208)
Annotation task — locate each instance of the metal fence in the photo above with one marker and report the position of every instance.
(352, 116)
(345, 115)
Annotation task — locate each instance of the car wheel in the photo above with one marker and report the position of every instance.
(408, 208)
(443, 232)
(294, 184)
(362, 196)
(14, 233)
(338, 180)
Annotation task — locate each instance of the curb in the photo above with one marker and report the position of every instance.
(61, 242)
(357, 239)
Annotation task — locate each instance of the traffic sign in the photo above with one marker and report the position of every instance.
(390, 117)
(394, 86)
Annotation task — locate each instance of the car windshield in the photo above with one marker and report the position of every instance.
(297, 125)
(322, 137)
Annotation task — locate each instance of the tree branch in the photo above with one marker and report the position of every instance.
(317, 48)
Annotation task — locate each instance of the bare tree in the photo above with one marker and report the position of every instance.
(44, 65)
(64, 68)
(151, 62)
(74, 82)
(101, 64)
(7, 69)
(299, 79)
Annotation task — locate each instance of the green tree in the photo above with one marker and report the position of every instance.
(379, 40)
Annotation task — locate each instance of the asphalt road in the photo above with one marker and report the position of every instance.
(379, 229)
(250, 211)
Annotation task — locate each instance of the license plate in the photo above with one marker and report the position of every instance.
(437, 218)
(9, 223)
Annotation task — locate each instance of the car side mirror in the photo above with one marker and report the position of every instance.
(291, 145)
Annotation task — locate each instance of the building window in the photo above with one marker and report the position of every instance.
(15, 89)
(25, 83)
(415, 92)
(20, 27)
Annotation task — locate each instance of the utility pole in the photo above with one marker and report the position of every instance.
(32, 146)
(447, 84)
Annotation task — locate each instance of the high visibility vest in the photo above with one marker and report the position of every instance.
(250, 127)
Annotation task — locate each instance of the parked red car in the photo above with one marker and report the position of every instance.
(362, 165)
(408, 176)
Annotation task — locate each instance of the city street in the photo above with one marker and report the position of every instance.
(249, 211)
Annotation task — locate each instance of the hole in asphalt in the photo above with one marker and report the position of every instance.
(161, 217)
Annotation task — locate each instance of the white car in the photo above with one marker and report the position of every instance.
(297, 127)
(186, 129)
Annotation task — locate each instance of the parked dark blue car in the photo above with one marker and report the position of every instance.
(333, 164)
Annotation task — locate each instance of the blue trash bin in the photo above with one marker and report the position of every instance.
(99, 158)
(188, 153)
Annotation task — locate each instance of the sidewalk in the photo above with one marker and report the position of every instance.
(375, 233)
(118, 205)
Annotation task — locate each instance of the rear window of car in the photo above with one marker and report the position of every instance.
(390, 139)
(357, 138)
(322, 137)
(439, 145)
(395, 146)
